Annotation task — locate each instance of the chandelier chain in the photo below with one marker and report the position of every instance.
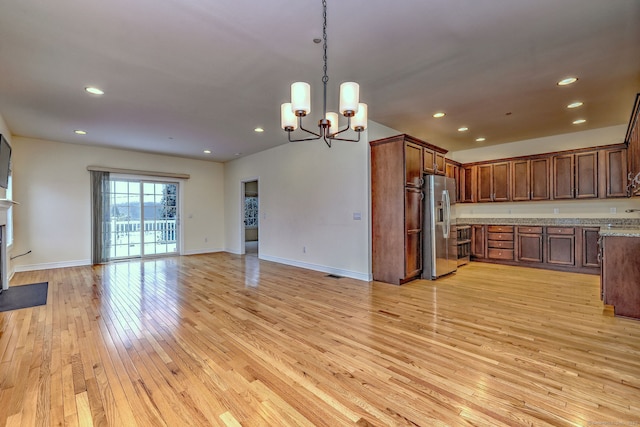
(325, 77)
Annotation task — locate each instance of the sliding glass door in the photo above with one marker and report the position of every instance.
(143, 218)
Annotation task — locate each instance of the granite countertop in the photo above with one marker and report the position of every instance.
(620, 231)
(564, 222)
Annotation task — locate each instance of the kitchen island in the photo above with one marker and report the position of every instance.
(620, 274)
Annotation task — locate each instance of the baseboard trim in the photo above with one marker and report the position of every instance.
(51, 265)
(317, 267)
(202, 251)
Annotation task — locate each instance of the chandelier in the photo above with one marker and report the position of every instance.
(328, 127)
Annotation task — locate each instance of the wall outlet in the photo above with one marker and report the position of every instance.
(556, 210)
(206, 239)
(304, 249)
(613, 210)
(357, 216)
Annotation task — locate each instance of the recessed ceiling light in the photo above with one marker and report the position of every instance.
(481, 139)
(439, 114)
(238, 154)
(94, 90)
(575, 104)
(258, 129)
(567, 81)
(207, 151)
(579, 121)
(80, 132)
(463, 129)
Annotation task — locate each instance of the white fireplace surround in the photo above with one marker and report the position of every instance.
(4, 265)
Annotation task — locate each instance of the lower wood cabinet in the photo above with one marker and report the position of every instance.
(620, 279)
(561, 246)
(478, 241)
(556, 248)
(529, 247)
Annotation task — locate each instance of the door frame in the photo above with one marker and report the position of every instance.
(180, 207)
(243, 183)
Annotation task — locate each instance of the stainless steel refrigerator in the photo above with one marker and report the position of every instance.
(440, 251)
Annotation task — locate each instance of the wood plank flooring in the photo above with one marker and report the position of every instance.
(230, 340)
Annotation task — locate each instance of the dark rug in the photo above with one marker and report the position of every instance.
(24, 296)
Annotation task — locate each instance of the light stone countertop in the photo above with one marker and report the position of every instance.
(616, 223)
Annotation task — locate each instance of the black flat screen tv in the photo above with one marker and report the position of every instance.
(5, 160)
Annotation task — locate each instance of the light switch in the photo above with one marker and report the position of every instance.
(357, 216)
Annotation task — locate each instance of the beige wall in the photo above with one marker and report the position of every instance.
(51, 183)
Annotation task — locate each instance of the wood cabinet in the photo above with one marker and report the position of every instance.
(396, 208)
(555, 248)
(575, 176)
(478, 241)
(468, 184)
(433, 161)
(413, 165)
(613, 180)
(620, 278)
(561, 246)
(590, 247)
(493, 182)
(632, 141)
(530, 243)
(500, 242)
(530, 179)
(452, 170)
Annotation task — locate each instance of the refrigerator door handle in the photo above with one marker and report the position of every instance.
(447, 214)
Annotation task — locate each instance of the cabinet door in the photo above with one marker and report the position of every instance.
(413, 227)
(468, 184)
(485, 183)
(428, 160)
(413, 165)
(540, 179)
(439, 163)
(520, 184)
(478, 241)
(530, 247)
(561, 249)
(501, 182)
(563, 178)
(615, 172)
(586, 179)
(590, 248)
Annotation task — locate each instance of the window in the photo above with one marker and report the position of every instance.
(251, 212)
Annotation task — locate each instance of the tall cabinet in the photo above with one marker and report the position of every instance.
(397, 166)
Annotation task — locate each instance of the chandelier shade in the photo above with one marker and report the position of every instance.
(292, 113)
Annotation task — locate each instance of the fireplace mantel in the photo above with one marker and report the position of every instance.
(5, 204)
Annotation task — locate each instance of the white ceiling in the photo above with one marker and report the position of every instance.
(182, 76)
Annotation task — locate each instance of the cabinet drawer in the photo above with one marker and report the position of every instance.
(502, 244)
(500, 236)
(500, 228)
(560, 230)
(530, 230)
(501, 253)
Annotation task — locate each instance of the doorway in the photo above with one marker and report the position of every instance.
(251, 215)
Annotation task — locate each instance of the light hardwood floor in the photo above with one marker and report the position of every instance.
(230, 340)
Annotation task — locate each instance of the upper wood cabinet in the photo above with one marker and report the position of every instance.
(413, 165)
(632, 141)
(613, 182)
(433, 161)
(493, 182)
(530, 179)
(575, 176)
(468, 184)
(452, 170)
